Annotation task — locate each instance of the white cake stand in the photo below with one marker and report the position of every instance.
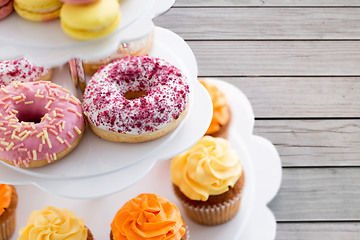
(262, 168)
(46, 44)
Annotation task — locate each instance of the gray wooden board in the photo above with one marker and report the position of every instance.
(257, 3)
(301, 97)
(318, 194)
(318, 231)
(262, 23)
(313, 142)
(277, 58)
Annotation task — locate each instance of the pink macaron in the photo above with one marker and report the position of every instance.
(6, 7)
(78, 1)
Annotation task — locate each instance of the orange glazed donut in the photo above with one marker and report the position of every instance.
(39, 123)
(136, 99)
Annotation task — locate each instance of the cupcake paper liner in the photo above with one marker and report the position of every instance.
(7, 227)
(213, 215)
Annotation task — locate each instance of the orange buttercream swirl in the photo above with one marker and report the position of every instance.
(220, 107)
(53, 223)
(148, 216)
(5, 197)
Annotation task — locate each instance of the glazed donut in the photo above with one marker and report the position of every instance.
(138, 47)
(136, 99)
(39, 123)
(22, 70)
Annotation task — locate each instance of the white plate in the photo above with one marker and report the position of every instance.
(95, 156)
(254, 221)
(46, 44)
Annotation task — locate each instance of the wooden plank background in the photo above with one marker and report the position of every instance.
(298, 62)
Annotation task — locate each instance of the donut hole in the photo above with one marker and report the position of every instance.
(134, 94)
(29, 115)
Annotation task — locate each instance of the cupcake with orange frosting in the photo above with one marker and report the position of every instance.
(220, 121)
(208, 180)
(148, 217)
(55, 223)
(8, 204)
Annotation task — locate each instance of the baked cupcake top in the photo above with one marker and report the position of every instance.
(210, 167)
(148, 216)
(55, 224)
(20, 70)
(220, 107)
(5, 197)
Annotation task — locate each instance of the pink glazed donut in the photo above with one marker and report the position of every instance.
(39, 123)
(136, 99)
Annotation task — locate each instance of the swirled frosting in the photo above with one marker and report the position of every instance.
(53, 223)
(148, 216)
(5, 197)
(220, 107)
(208, 168)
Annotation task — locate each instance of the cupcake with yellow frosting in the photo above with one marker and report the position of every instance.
(220, 121)
(208, 180)
(8, 204)
(55, 223)
(148, 217)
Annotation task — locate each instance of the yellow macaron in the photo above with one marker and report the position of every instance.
(90, 21)
(38, 10)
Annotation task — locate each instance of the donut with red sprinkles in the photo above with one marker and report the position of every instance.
(136, 99)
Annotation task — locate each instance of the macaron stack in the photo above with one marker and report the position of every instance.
(89, 19)
(80, 19)
(6, 7)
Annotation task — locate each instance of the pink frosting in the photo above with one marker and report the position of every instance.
(20, 70)
(22, 105)
(166, 95)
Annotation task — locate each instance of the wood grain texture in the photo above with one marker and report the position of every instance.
(263, 3)
(313, 142)
(318, 194)
(317, 231)
(277, 58)
(262, 23)
(301, 97)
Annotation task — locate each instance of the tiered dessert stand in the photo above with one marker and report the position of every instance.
(103, 174)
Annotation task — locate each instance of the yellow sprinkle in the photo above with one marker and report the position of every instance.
(39, 96)
(4, 143)
(4, 90)
(54, 156)
(63, 125)
(2, 128)
(65, 90)
(29, 102)
(77, 130)
(60, 140)
(17, 98)
(49, 143)
(1, 115)
(34, 155)
(48, 104)
(15, 137)
(43, 139)
(78, 114)
(67, 96)
(14, 111)
(46, 135)
(10, 116)
(23, 133)
(13, 126)
(40, 134)
(10, 146)
(47, 117)
(33, 126)
(54, 113)
(26, 135)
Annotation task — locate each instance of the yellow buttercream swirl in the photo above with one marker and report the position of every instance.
(53, 223)
(221, 111)
(208, 168)
(5, 197)
(148, 216)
